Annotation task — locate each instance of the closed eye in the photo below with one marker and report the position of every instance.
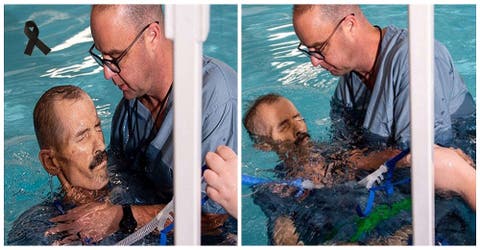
(81, 135)
(283, 125)
(98, 126)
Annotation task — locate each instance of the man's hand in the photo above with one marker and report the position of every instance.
(89, 223)
(221, 178)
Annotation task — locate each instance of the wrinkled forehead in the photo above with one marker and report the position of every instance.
(70, 112)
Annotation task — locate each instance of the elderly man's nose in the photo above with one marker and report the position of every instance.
(298, 133)
(299, 129)
(99, 142)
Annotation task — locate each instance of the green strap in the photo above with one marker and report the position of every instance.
(379, 214)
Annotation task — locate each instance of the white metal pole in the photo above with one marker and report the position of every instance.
(421, 44)
(188, 26)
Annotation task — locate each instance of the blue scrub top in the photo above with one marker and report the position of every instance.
(142, 169)
(384, 112)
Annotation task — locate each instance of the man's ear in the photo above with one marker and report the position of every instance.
(48, 161)
(263, 146)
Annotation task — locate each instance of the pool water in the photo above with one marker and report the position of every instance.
(271, 63)
(65, 29)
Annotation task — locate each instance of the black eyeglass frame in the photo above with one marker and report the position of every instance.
(318, 53)
(113, 64)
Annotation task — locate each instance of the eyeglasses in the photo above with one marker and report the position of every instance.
(112, 64)
(318, 52)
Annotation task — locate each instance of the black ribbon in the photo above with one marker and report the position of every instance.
(33, 39)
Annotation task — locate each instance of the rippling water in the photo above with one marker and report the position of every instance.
(271, 63)
(65, 29)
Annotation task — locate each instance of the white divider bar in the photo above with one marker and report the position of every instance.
(421, 42)
(188, 26)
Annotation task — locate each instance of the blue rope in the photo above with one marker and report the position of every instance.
(252, 180)
(163, 234)
(387, 187)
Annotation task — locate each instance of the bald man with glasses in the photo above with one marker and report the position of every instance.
(371, 103)
(130, 45)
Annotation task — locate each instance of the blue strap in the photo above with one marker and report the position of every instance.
(298, 183)
(163, 234)
(252, 180)
(387, 187)
(368, 208)
(371, 196)
(393, 161)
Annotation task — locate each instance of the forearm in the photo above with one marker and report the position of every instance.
(145, 213)
(461, 181)
(454, 173)
(374, 159)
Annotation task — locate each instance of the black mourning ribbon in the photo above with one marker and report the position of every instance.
(33, 39)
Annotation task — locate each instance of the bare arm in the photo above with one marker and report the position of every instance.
(98, 220)
(144, 214)
(454, 171)
(373, 160)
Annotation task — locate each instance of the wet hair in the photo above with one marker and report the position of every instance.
(138, 15)
(250, 115)
(330, 12)
(45, 121)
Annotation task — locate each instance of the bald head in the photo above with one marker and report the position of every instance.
(250, 120)
(328, 12)
(137, 15)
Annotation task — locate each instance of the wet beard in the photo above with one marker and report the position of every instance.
(79, 196)
(323, 164)
(303, 160)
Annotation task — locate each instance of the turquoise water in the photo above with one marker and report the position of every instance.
(66, 30)
(271, 63)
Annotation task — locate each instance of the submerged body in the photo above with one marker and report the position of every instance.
(328, 216)
(30, 227)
